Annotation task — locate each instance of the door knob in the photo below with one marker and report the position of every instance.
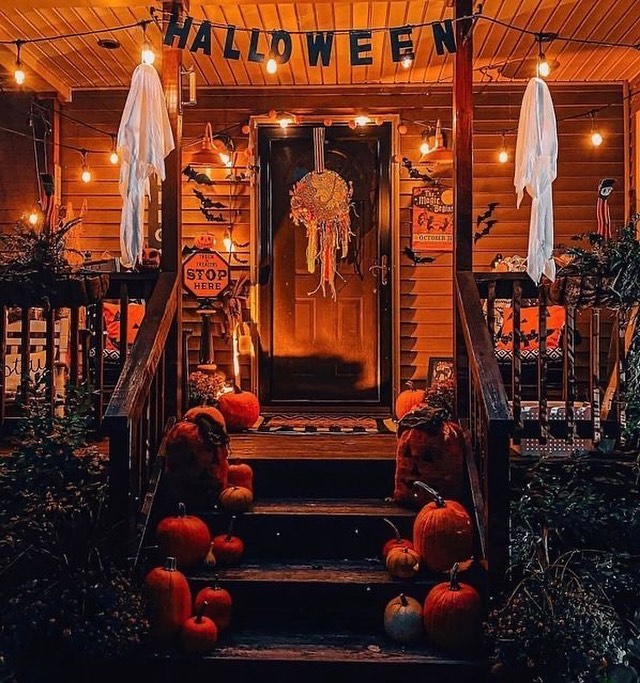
(383, 268)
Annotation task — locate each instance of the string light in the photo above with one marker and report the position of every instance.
(362, 120)
(424, 146)
(596, 136)
(407, 61)
(85, 176)
(34, 218)
(227, 240)
(503, 155)
(543, 68)
(226, 159)
(148, 56)
(284, 122)
(272, 65)
(113, 157)
(19, 73)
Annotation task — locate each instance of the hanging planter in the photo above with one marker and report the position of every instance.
(42, 289)
(583, 291)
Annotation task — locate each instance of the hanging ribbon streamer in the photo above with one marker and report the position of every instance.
(321, 201)
(602, 207)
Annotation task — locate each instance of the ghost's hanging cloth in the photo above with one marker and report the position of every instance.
(144, 140)
(535, 170)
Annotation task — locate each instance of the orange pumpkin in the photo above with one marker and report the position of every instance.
(452, 615)
(205, 240)
(227, 548)
(209, 411)
(217, 605)
(396, 542)
(403, 619)
(184, 537)
(403, 563)
(236, 498)
(241, 409)
(199, 633)
(407, 399)
(168, 600)
(241, 475)
(442, 532)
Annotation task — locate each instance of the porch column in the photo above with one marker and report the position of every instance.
(172, 208)
(463, 184)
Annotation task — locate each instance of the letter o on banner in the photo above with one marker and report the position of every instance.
(281, 46)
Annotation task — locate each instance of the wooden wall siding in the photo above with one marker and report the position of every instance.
(426, 290)
(504, 54)
(18, 185)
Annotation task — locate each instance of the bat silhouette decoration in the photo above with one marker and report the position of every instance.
(487, 214)
(479, 234)
(415, 173)
(418, 259)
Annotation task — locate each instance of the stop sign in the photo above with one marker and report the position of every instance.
(205, 274)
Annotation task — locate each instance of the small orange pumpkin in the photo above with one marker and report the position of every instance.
(227, 548)
(168, 600)
(211, 412)
(217, 605)
(184, 537)
(240, 408)
(396, 542)
(236, 498)
(407, 399)
(403, 619)
(199, 633)
(205, 240)
(442, 532)
(241, 475)
(452, 615)
(403, 563)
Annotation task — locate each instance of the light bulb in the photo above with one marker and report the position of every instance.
(86, 175)
(228, 243)
(596, 139)
(544, 68)
(34, 218)
(362, 120)
(148, 55)
(503, 156)
(113, 157)
(284, 122)
(272, 65)
(424, 148)
(225, 159)
(19, 74)
(407, 61)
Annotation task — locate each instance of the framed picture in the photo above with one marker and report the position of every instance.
(440, 370)
(432, 219)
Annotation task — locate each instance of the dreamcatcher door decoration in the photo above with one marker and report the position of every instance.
(321, 202)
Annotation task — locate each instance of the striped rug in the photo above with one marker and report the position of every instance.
(310, 423)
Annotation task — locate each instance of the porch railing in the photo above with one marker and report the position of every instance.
(483, 404)
(141, 403)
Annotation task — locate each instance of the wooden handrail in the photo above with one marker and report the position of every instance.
(142, 362)
(482, 358)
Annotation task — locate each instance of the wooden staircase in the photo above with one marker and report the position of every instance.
(310, 594)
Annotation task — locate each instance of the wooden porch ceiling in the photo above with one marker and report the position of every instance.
(501, 54)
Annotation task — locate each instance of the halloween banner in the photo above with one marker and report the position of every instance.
(432, 219)
(320, 46)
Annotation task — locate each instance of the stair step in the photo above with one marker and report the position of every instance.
(335, 595)
(289, 655)
(289, 529)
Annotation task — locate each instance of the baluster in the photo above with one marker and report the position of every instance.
(50, 350)
(3, 362)
(491, 308)
(595, 374)
(124, 323)
(570, 372)
(25, 353)
(543, 415)
(74, 330)
(98, 380)
(516, 361)
(622, 377)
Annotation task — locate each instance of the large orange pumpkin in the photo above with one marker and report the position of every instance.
(430, 448)
(217, 605)
(442, 532)
(184, 537)
(168, 600)
(452, 615)
(407, 399)
(241, 409)
(199, 634)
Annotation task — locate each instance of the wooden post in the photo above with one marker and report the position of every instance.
(172, 208)
(463, 184)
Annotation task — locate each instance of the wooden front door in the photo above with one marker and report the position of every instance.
(314, 349)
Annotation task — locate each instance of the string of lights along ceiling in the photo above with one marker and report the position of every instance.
(195, 35)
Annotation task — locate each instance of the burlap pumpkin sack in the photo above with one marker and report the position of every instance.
(430, 448)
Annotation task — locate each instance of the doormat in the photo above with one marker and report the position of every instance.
(305, 423)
